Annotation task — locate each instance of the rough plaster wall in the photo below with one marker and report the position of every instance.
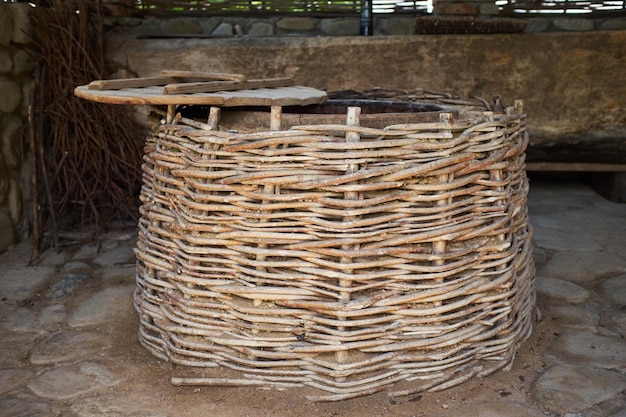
(573, 84)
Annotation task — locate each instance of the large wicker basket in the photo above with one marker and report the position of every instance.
(341, 257)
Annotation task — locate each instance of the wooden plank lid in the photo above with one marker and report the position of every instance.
(194, 88)
(283, 96)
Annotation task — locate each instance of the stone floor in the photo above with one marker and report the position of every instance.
(68, 344)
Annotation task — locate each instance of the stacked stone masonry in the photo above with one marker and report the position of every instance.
(15, 80)
(231, 26)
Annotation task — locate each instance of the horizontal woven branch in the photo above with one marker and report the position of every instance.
(344, 258)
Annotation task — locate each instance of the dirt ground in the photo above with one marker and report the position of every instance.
(502, 393)
(151, 378)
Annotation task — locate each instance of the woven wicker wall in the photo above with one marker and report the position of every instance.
(344, 258)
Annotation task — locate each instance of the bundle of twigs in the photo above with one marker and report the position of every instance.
(91, 161)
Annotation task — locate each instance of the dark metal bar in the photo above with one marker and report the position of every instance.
(367, 18)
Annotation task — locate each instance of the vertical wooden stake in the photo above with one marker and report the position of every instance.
(439, 246)
(276, 118)
(352, 119)
(214, 117)
(213, 121)
(496, 175)
(171, 113)
(276, 121)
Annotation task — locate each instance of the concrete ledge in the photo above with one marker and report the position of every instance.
(567, 80)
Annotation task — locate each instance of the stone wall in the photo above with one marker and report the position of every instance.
(230, 26)
(15, 80)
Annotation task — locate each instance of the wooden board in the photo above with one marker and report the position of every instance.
(214, 86)
(204, 75)
(284, 96)
(130, 83)
(167, 77)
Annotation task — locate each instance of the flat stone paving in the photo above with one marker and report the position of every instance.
(68, 344)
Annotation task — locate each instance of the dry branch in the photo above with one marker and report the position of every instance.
(93, 152)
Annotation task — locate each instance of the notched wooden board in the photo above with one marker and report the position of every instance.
(214, 86)
(167, 77)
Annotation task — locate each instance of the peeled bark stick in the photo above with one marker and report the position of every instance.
(227, 382)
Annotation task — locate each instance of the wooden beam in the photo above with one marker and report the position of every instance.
(575, 167)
